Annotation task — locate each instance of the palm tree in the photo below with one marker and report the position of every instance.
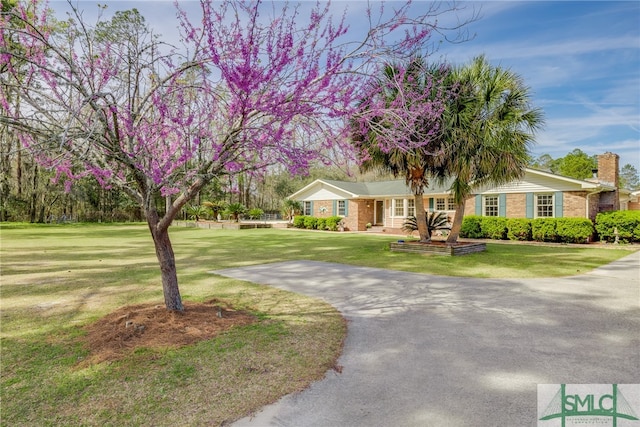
(489, 128)
(396, 129)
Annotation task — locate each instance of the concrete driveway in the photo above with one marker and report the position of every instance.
(427, 350)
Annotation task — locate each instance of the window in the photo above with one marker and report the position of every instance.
(451, 204)
(307, 208)
(490, 206)
(411, 207)
(544, 205)
(398, 207)
(440, 204)
(342, 207)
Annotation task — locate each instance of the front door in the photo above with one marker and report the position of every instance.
(379, 212)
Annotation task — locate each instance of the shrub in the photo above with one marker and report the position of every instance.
(435, 221)
(494, 227)
(298, 222)
(544, 230)
(519, 229)
(332, 222)
(626, 222)
(321, 224)
(471, 227)
(310, 222)
(255, 213)
(574, 230)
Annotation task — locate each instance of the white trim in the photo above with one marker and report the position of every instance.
(552, 204)
(484, 205)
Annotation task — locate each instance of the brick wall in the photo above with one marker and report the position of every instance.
(516, 205)
(574, 204)
(363, 211)
(351, 220)
(317, 208)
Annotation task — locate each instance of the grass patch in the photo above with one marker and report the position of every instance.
(58, 278)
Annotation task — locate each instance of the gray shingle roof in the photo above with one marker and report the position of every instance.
(393, 188)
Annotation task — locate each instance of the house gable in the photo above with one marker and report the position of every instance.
(535, 181)
(322, 190)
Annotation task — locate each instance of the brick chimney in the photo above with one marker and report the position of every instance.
(608, 173)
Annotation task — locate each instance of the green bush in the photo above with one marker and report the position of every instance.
(332, 223)
(255, 213)
(314, 223)
(494, 227)
(310, 222)
(544, 230)
(626, 222)
(298, 221)
(574, 230)
(519, 229)
(471, 227)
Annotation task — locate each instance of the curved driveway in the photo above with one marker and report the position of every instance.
(426, 350)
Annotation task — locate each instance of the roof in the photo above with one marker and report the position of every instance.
(399, 188)
(359, 190)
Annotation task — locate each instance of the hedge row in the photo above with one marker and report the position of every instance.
(314, 223)
(623, 224)
(626, 223)
(560, 230)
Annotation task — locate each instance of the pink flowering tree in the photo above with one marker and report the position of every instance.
(398, 127)
(253, 85)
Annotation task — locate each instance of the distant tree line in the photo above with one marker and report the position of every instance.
(31, 193)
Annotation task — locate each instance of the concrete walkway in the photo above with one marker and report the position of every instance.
(428, 350)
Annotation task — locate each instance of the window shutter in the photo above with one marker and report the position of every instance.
(335, 207)
(312, 208)
(430, 204)
(558, 204)
(478, 204)
(346, 208)
(502, 205)
(529, 205)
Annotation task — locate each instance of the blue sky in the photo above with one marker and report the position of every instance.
(581, 60)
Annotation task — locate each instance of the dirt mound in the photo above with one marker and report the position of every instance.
(153, 326)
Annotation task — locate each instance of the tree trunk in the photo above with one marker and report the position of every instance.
(43, 197)
(167, 260)
(34, 196)
(457, 224)
(19, 172)
(421, 218)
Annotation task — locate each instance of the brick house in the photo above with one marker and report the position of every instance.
(538, 194)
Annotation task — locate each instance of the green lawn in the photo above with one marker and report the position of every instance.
(57, 278)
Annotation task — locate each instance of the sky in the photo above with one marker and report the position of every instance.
(580, 59)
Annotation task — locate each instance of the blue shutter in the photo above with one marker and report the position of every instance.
(502, 205)
(529, 205)
(346, 208)
(312, 208)
(335, 207)
(478, 204)
(558, 204)
(430, 204)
